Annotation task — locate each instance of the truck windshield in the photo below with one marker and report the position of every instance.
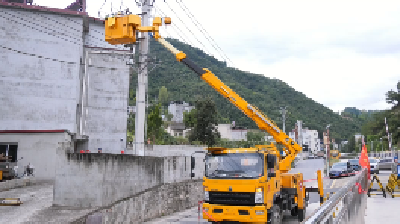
(234, 166)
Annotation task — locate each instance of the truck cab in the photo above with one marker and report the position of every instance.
(242, 184)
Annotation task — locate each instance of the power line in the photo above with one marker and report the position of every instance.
(176, 27)
(57, 60)
(49, 25)
(202, 29)
(188, 28)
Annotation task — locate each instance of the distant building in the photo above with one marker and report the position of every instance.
(310, 140)
(177, 108)
(177, 129)
(358, 137)
(231, 133)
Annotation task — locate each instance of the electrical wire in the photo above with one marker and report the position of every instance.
(207, 51)
(56, 60)
(51, 25)
(101, 7)
(201, 28)
(42, 31)
(176, 27)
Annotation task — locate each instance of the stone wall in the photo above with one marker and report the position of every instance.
(150, 204)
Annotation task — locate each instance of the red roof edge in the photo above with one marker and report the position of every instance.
(31, 131)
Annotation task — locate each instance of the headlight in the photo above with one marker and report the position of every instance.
(259, 196)
(206, 196)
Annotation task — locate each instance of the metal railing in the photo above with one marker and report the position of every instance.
(346, 206)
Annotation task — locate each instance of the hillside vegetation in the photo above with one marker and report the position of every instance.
(265, 93)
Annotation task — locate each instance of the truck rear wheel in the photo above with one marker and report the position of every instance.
(301, 214)
(294, 211)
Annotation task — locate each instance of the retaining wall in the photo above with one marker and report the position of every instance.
(6, 185)
(95, 180)
(149, 204)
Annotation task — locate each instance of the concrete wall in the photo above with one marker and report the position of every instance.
(96, 180)
(152, 203)
(177, 151)
(46, 94)
(37, 149)
(107, 92)
(17, 183)
(37, 93)
(95, 36)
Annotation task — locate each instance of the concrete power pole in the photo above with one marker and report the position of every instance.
(142, 81)
(300, 136)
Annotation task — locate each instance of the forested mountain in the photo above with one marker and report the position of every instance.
(265, 93)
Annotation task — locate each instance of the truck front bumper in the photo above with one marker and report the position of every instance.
(218, 213)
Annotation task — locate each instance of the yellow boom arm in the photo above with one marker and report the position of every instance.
(261, 120)
(121, 30)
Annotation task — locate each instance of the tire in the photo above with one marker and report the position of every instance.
(276, 217)
(294, 211)
(301, 214)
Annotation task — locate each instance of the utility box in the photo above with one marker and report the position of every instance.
(121, 29)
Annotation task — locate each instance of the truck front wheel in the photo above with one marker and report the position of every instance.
(276, 215)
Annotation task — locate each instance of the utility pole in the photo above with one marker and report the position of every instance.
(300, 135)
(327, 150)
(142, 81)
(372, 146)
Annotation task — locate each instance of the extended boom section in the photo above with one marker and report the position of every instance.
(251, 111)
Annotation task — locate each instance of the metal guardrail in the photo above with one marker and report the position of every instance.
(346, 206)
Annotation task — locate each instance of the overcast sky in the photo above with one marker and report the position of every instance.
(342, 53)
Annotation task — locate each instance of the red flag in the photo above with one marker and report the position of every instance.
(364, 162)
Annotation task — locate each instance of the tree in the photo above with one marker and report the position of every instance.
(205, 123)
(190, 118)
(163, 95)
(351, 144)
(255, 137)
(393, 97)
(131, 123)
(132, 98)
(154, 123)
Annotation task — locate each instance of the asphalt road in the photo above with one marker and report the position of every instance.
(307, 167)
(380, 209)
(34, 198)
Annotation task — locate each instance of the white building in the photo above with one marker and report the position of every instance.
(177, 108)
(232, 133)
(65, 84)
(310, 140)
(358, 137)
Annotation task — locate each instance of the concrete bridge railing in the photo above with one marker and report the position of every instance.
(348, 205)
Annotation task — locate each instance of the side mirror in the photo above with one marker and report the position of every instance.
(192, 162)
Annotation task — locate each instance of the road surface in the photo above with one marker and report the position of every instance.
(380, 209)
(37, 207)
(307, 167)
